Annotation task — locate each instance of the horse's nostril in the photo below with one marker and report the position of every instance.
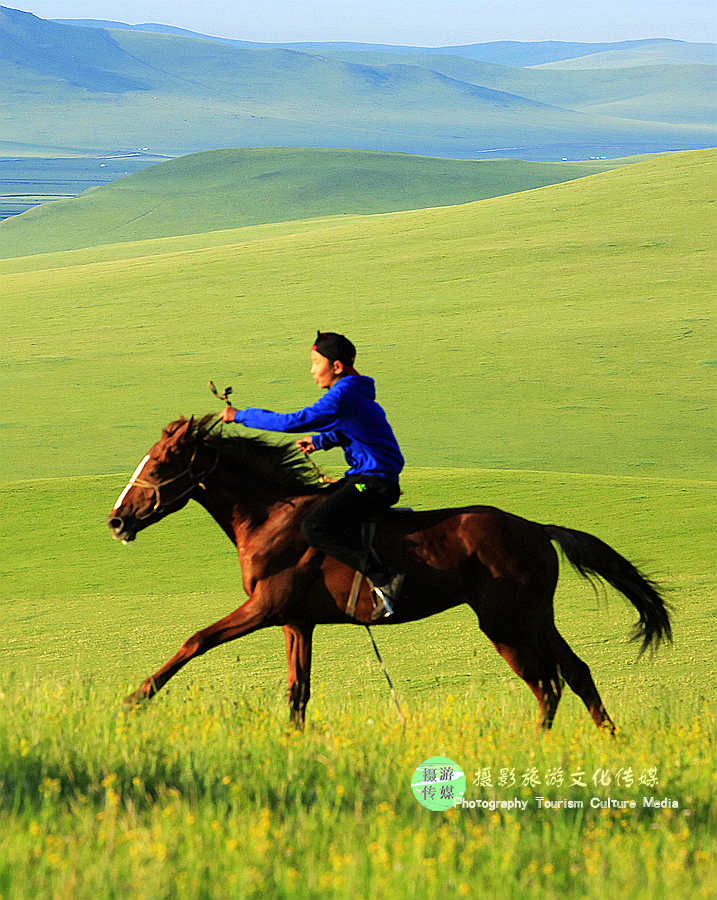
(115, 523)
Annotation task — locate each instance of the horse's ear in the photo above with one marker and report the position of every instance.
(170, 429)
(186, 430)
(178, 429)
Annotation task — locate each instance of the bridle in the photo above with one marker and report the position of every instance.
(197, 479)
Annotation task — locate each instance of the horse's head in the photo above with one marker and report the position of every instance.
(163, 481)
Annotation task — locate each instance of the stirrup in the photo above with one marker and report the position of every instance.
(382, 608)
(385, 596)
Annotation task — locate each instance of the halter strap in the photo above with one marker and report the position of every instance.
(156, 485)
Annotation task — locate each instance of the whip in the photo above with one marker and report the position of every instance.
(224, 396)
(323, 479)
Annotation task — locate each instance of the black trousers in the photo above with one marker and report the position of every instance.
(334, 525)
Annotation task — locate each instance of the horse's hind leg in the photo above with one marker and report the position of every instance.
(540, 673)
(517, 619)
(577, 674)
(298, 657)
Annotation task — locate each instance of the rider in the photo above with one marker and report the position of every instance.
(347, 416)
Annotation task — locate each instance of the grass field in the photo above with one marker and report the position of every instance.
(607, 280)
(544, 352)
(207, 793)
(222, 189)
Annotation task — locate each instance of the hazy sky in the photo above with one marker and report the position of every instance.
(422, 22)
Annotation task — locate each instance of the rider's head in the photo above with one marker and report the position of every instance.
(332, 357)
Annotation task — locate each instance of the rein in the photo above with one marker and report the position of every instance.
(323, 479)
(155, 486)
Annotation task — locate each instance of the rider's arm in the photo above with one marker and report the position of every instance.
(326, 440)
(320, 415)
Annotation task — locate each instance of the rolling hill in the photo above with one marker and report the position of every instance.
(506, 53)
(660, 93)
(88, 59)
(220, 189)
(93, 89)
(564, 329)
(643, 53)
(549, 352)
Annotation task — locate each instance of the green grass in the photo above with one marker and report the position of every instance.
(562, 329)
(206, 792)
(211, 796)
(222, 189)
(544, 352)
(103, 597)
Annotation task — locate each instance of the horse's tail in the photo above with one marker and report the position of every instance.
(591, 557)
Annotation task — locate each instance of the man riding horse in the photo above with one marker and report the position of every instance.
(347, 415)
(503, 566)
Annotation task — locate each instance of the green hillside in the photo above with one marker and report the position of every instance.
(83, 58)
(679, 94)
(660, 93)
(562, 329)
(550, 352)
(221, 189)
(92, 89)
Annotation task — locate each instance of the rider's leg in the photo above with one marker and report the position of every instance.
(334, 524)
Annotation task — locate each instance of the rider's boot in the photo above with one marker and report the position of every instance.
(386, 591)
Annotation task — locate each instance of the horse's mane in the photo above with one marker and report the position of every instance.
(277, 461)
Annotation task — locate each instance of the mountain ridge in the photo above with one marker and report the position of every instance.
(93, 89)
(520, 53)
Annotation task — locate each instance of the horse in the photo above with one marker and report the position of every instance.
(503, 566)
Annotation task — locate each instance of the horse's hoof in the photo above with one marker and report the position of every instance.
(608, 727)
(135, 699)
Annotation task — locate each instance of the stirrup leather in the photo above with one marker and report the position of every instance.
(379, 609)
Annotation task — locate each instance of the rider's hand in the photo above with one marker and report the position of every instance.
(228, 414)
(306, 445)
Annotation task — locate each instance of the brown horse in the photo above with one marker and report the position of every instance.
(503, 566)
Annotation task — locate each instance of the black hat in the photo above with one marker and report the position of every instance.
(335, 347)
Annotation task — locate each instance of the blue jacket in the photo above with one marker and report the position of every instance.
(347, 415)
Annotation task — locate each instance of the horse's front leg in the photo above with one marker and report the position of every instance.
(298, 657)
(251, 616)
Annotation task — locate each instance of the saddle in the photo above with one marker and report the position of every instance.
(368, 533)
